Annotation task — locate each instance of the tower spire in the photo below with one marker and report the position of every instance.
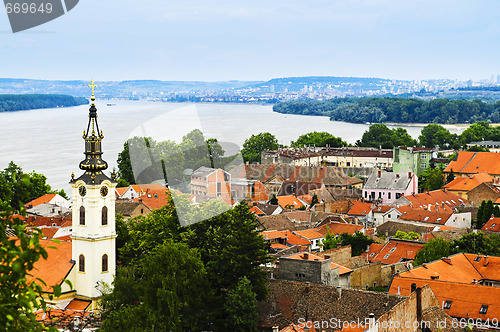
(93, 165)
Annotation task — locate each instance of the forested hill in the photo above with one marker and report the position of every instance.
(379, 110)
(11, 103)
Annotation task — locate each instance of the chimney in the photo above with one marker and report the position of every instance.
(379, 173)
(413, 287)
(372, 326)
(306, 255)
(409, 175)
(486, 260)
(397, 175)
(419, 305)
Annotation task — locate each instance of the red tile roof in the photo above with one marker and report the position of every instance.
(492, 225)
(257, 211)
(468, 183)
(48, 232)
(270, 235)
(394, 251)
(62, 317)
(339, 228)
(310, 234)
(120, 191)
(312, 257)
(468, 162)
(436, 196)
(57, 265)
(278, 246)
(77, 304)
(290, 201)
(37, 221)
(426, 216)
(299, 328)
(40, 200)
(296, 240)
(360, 209)
(154, 198)
(466, 299)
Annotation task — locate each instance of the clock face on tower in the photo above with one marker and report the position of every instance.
(104, 191)
(82, 190)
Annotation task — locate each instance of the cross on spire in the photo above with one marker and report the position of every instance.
(92, 85)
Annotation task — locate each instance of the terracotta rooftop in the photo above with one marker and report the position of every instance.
(296, 240)
(270, 235)
(310, 234)
(57, 265)
(339, 228)
(468, 183)
(120, 191)
(467, 162)
(154, 198)
(37, 221)
(492, 225)
(440, 197)
(426, 216)
(290, 201)
(78, 304)
(464, 300)
(395, 250)
(360, 209)
(42, 199)
(312, 257)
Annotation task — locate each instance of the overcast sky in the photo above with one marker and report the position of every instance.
(258, 40)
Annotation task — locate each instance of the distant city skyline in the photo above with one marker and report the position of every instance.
(258, 40)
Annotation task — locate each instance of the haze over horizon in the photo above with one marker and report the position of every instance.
(258, 40)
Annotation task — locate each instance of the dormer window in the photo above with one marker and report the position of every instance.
(477, 259)
(484, 309)
(447, 305)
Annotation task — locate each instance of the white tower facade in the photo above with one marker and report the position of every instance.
(93, 210)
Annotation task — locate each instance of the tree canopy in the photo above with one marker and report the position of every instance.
(399, 110)
(18, 188)
(223, 251)
(256, 144)
(166, 160)
(380, 136)
(321, 139)
(10, 103)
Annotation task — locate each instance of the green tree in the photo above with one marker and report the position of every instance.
(400, 137)
(330, 241)
(358, 242)
(20, 296)
(484, 213)
(432, 250)
(241, 308)
(377, 135)
(167, 290)
(256, 144)
(407, 236)
(318, 139)
(431, 179)
(476, 243)
(18, 188)
(229, 245)
(125, 172)
(274, 200)
(434, 134)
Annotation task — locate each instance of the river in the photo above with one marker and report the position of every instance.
(49, 141)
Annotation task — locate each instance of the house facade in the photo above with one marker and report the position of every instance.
(385, 187)
(412, 159)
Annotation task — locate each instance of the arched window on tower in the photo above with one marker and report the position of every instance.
(104, 263)
(81, 263)
(82, 215)
(104, 217)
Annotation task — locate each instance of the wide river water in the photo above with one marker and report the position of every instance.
(49, 141)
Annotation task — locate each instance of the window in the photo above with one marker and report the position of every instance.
(423, 156)
(477, 259)
(423, 165)
(81, 263)
(371, 255)
(386, 256)
(104, 215)
(484, 309)
(389, 215)
(82, 215)
(398, 195)
(388, 195)
(366, 194)
(447, 304)
(379, 194)
(104, 263)
(392, 249)
(348, 163)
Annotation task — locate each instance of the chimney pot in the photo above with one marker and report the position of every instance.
(379, 173)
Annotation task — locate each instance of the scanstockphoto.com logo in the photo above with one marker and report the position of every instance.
(26, 14)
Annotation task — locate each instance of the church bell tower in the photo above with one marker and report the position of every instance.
(93, 232)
